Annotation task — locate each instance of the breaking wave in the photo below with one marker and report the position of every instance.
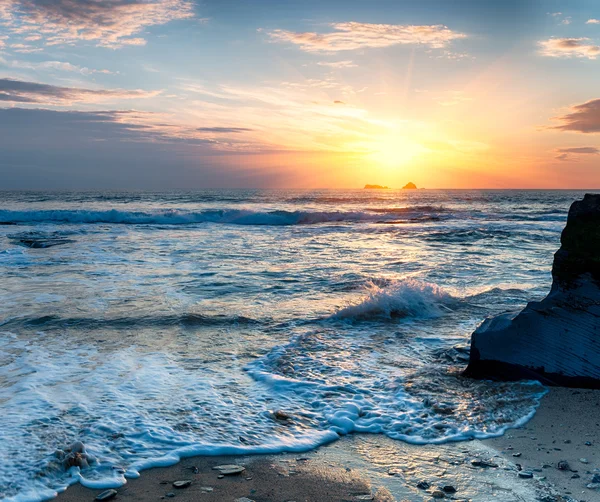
(223, 216)
(408, 298)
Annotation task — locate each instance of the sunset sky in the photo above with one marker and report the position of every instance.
(299, 94)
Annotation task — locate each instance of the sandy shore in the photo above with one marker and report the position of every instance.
(369, 467)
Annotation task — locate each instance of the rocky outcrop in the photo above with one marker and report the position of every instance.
(409, 186)
(557, 340)
(376, 187)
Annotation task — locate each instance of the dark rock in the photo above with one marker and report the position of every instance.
(38, 240)
(575, 476)
(106, 495)
(182, 484)
(449, 489)
(170, 495)
(555, 340)
(281, 415)
(563, 465)
(588, 443)
(423, 485)
(596, 478)
(376, 187)
(438, 494)
(409, 186)
(482, 463)
(525, 474)
(517, 454)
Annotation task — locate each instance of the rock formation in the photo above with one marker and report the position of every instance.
(409, 186)
(557, 340)
(376, 187)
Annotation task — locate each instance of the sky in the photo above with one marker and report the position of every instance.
(170, 94)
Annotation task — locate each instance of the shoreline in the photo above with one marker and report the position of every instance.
(374, 467)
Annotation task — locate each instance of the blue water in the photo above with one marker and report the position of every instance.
(155, 325)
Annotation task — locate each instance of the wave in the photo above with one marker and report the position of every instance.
(223, 216)
(186, 320)
(408, 298)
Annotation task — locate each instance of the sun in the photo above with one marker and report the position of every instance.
(394, 151)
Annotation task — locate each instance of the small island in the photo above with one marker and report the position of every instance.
(409, 186)
(376, 187)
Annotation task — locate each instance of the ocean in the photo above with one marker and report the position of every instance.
(153, 326)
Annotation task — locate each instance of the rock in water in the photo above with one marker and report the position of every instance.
(557, 340)
(409, 186)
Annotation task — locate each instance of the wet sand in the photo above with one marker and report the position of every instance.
(370, 467)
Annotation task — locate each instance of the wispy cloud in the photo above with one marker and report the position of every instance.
(568, 153)
(338, 64)
(593, 21)
(20, 91)
(55, 66)
(353, 35)
(223, 130)
(584, 118)
(108, 23)
(561, 18)
(569, 48)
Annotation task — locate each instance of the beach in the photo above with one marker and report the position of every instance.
(359, 467)
(233, 326)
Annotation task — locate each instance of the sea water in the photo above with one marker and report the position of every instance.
(152, 326)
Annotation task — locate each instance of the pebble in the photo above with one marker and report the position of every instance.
(575, 476)
(365, 497)
(588, 443)
(482, 463)
(182, 484)
(517, 454)
(449, 489)
(170, 495)
(584, 460)
(525, 474)
(230, 469)
(244, 499)
(438, 494)
(220, 476)
(563, 465)
(206, 489)
(423, 485)
(106, 495)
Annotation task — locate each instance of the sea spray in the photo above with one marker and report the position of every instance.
(406, 298)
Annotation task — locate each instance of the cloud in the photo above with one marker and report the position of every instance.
(338, 64)
(567, 153)
(353, 35)
(568, 48)
(559, 16)
(57, 66)
(46, 149)
(223, 130)
(338, 102)
(584, 118)
(593, 21)
(108, 23)
(20, 91)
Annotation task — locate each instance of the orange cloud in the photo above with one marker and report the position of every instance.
(352, 35)
(583, 118)
(108, 23)
(569, 48)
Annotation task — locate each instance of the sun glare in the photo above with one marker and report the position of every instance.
(395, 150)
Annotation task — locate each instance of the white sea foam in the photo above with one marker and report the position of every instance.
(407, 298)
(135, 410)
